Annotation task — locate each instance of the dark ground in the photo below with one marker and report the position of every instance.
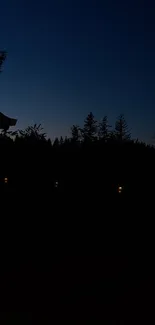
(68, 257)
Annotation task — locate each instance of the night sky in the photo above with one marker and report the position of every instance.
(67, 58)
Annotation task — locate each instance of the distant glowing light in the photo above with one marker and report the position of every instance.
(120, 188)
(56, 184)
(6, 180)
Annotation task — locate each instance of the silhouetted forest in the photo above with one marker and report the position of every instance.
(95, 160)
(96, 173)
(78, 211)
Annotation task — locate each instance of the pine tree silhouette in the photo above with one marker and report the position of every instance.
(89, 131)
(104, 129)
(122, 132)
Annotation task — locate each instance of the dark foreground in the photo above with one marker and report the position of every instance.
(76, 259)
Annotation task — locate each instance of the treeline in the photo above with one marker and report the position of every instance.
(95, 159)
(93, 130)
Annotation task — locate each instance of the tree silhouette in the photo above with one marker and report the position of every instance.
(3, 55)
(33, 133)
(67, 140)
(122, 132)
(61, 142)
(75, 131)
(89, 131)
(56, 143)
(103, 132)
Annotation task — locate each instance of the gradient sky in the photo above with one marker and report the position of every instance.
(67, 58)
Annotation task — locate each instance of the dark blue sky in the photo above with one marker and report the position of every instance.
(67, 58)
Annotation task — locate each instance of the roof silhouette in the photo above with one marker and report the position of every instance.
(6, 122)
